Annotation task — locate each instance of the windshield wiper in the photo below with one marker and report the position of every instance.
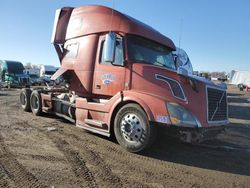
(142, 61)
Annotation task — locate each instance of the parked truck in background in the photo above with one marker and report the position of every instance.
(46, 71)
(12, 75)
(34, 75)
(123, 80)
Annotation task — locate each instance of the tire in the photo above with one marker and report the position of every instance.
(25, 99)
(132, 128)
(36, 103)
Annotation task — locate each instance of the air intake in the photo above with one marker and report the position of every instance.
(174, 85)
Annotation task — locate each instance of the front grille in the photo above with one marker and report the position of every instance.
(217, 105)
(24, 80)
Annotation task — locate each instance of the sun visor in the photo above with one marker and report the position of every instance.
(58, 73)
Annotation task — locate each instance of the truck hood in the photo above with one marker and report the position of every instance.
(221, 86)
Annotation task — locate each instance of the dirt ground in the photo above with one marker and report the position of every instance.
(50, 152)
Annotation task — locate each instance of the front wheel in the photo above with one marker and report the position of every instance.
(132, 129)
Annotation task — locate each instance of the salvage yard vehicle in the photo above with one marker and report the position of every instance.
(46, 72)
(12, 75)
(122, 80)
(34, 75)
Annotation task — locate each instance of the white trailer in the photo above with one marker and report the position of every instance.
(240, 77)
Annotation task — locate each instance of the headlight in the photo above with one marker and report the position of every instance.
(180, 116)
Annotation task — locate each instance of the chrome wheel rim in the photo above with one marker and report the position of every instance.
(131, 128)
(34, 102)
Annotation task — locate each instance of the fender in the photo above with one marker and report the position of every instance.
(154, 107)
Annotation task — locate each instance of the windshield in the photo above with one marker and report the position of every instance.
(149, 52)
(50, 72)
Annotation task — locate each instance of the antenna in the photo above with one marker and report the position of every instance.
(180, 35)
(113, 5)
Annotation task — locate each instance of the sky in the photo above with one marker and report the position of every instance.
(215, 34)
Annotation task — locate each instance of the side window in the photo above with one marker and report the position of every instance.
(119, 58)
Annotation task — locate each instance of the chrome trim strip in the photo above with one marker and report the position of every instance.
(157, 78)
(197, 121)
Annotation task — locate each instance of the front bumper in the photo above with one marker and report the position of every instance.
(190, 135)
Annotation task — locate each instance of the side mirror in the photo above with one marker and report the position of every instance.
(182, 71)
(109, 47)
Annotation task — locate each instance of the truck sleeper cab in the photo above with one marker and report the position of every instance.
(122, 79)
(12, 75)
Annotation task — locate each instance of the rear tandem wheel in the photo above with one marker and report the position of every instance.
(25, 99)
(36, 103)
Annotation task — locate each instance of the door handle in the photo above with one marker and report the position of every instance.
(98, 86)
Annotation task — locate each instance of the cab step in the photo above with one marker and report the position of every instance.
(94, 126)
(95, 123)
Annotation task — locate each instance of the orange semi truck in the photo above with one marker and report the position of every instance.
(122, 79)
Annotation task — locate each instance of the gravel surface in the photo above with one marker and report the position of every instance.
(51, 152)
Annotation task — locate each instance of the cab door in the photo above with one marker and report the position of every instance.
(109, 79)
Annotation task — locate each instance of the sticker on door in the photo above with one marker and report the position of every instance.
(107, 78)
